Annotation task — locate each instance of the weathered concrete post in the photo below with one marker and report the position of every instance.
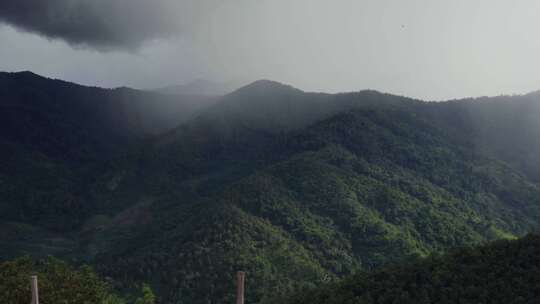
(35, 292)
(241, 280)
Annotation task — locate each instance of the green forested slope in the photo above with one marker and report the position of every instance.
(501, 272)
(58, 282)
(356, 191)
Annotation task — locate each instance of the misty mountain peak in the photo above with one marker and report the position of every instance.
(26, 73)
(22, 75)
(264, 87)
(533, 94)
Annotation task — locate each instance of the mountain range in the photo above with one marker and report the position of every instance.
(296, 188)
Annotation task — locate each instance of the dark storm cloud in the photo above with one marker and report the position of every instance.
(102, 24)
(432, 49)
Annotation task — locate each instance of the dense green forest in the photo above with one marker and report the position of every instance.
(59, 282)
(298, 189)
(501, 272)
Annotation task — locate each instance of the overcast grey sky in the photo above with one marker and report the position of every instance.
(429, 49)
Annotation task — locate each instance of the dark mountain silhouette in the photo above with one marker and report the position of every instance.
(56, 137)
(104, 117)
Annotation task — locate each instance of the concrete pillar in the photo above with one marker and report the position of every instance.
(35, 292)
(241, 280)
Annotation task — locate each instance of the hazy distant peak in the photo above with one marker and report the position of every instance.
(28, 73)
(534, 94)
(197, 87)
(23, 74)
(31, 79)
(265, 86)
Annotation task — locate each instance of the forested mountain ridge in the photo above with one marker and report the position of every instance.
(296, 188)
(274, 107)
(124, 113)
(56, 138)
